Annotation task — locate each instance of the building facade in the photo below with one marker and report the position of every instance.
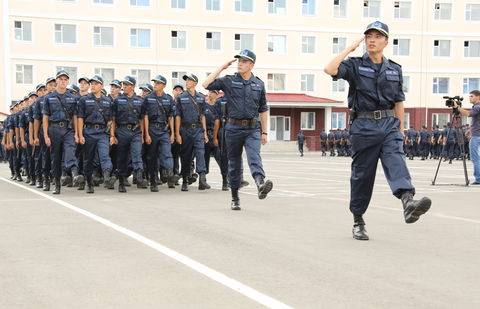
(436, 42)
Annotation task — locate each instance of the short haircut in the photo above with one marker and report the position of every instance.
(475, 93)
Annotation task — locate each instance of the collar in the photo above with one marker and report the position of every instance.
(366, 61)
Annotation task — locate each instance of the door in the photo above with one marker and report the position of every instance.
(280, 120)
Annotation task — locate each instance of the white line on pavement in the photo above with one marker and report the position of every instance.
(196, 266)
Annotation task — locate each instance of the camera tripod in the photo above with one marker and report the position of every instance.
(455, 126)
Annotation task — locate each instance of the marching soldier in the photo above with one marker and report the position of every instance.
(324, 142)
(331, 143)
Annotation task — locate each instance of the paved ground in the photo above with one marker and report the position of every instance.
(294, 248)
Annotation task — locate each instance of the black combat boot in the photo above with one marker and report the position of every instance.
(413, 209)
(141, 183)
(185, 184)
(358, 231)
(90, 186)
(46, 184)
(108, 181)
(33, 181)
(57, 186)
(263, 186)
(202, 182)
(170, 179)
(40, 182)
(153, 184)
(121, 184)
(77, 179)
(224, 183)
(235, 205)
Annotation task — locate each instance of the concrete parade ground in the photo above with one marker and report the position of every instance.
(176, 249)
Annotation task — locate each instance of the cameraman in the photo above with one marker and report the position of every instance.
(475, 131)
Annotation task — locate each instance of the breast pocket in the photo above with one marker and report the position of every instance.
(366, 81)
(256, 92)
(89, 108)
(237, 90)
(390, 86)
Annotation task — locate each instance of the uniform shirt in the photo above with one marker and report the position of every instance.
(16, 120)
(425, 136)
(345, 135)
(371, 87)
(451, 137)
(338, 135)
(158, 108)
(211, 114)
(331, 136)
(475, 114)
(412, 134)
(323, 136)
(37, 108)
(300, 138)
(23, 119)
(94, 110)
(436, 134)
(222, 101)
(127, 110)
(52, 106)
(245, 98)
(189, 111)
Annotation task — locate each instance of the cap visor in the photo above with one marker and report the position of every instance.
(378, 29)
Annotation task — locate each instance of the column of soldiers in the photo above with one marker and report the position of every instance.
(337, 142)
(65, 135)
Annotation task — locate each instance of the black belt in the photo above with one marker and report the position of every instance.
(383, 113)
(60, 124)
(95, 126)
(191, 125)
(243, 122)
(128, 126)
(158, 125)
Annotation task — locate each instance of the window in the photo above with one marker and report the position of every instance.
(440, 84)
(440, 119)
(178, 4)
(142, 76)
(277, 7)
(406, 120)
(243, 41)
(103, 36)
(338, 85)
(340, 8)
(72, 72)
(371, 8)
(140, 2)
(65, 33)
(23, 30)
(24, 74)
(213, 40)
(277, 43)
(338, 120)
(244, 5)
(179, 39)
(103, 1)
(307, 120)
(212, 5)
(471, 48)
(401, 47)
(402, 9)
(106, 73)
(308, 44)
(140, 38)
(472, 12)
(443, 11)
(470, 84)
(406, 83)
(441, 48)
(177, 78)
(308, 7)
(307, 82)
(276, 82)
(339, 44)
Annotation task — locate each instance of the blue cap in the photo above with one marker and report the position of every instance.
(146, 87)
(116, 82)
(84, 78)
(379, 26)
(39, 86)
(96, 78)
(247, 54)
(191, 77)
(73, 88)
(129, 80)
(178, 86)
(49, 80)
(62, 73)
(31, 94)
(159, 79)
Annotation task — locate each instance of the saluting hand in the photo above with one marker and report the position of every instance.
(228, 63)
(356, 43)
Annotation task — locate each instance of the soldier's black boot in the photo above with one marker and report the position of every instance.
(413, 209)
(235, 205)
(153, 184)
(185, 184)
(57, 186)
(90, 186)
(46, 184)
(19, 177)
(263, 186)
(358, 231)
(126, 182)
(170, 179)
(141, 183)
(224, 183)
(40, 183)
(108, 181)
(202, 182)
(77, 179)
(121, 184)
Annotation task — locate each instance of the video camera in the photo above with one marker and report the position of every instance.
(450, 100)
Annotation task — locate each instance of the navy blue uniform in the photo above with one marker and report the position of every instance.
(245, 100)
(436, 145)
(372, 88)
(43, 159)
(449, 136)
(424, 144)
(10, 154)
(300, 142)
(212, 114)
(412, 135)
(190, 109)
(60, 109)
(323, 142)
(221, 111)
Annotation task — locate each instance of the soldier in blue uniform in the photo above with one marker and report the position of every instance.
(300, 142)
(246, 104)
(323, 142)
(147, 89)
(94, 115)
(435, 143)
(411, 140)
(191, 131)
(9, 141)
(127, 132)
(176, 91)
(37, 151)
(157, 111)
(59, 124)
(338, 142)
(424, 142)
(20, 143)
(449, 138)
(27, 127)
(376, 99)
(346, 143)
(331, 143)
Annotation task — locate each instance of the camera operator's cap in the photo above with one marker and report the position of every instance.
(247, 54)
(191, 77)
(33, 93)
(62, 73)
(116, 83)
(379, 26)
(97, 79)
(129, 80)
(39, 86)
(159, 79)
(49, 80)
(178, 86)
(84, 78)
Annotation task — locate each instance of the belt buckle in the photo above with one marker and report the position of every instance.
(96, 126)
(244, 122)
(377, 115)
(129, 126)
(61, 124)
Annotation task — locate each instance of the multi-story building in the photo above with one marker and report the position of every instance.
(437, 43)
